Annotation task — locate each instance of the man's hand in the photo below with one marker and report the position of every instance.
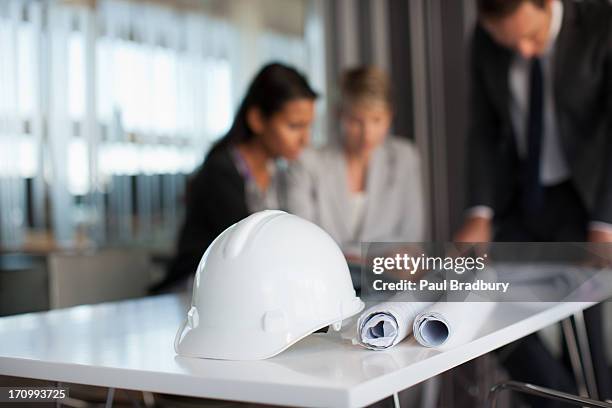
(475, 229)
(597, 235)
(602, 251)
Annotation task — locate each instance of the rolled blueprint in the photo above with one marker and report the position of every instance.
(449, 324)
(386, 324)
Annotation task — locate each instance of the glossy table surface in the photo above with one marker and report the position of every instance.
(129, 345)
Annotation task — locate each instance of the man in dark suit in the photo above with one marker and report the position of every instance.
(540, 141)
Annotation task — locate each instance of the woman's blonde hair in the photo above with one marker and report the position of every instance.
(365, 84)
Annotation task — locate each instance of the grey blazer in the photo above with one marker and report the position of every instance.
(317, 190)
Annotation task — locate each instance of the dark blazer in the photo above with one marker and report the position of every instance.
(215, 199)
(583, 102)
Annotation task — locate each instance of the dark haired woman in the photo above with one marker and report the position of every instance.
(240, 174)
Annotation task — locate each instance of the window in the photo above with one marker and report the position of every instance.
(105, 111)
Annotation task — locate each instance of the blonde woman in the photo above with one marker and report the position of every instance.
(364, 185)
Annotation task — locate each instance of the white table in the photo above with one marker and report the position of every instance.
(129, 345)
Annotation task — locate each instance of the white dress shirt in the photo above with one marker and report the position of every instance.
(553, 165)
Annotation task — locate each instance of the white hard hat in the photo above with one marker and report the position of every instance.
(263, 284)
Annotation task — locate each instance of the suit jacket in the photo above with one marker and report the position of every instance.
(317, 190)
(583, 102)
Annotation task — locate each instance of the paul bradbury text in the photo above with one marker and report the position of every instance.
(443, 286)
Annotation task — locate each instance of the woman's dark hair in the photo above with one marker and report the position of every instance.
(503, 8)
(273, 86)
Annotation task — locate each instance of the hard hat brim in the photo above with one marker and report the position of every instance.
(205, 342)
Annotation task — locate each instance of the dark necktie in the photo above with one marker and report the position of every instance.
(533, 197)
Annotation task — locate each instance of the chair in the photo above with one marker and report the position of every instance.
(77, 278)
